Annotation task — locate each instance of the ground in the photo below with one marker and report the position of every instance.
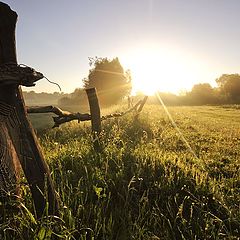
(145, 177)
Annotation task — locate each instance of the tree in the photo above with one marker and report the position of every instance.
(229, 85)
(110, 80)
(76, 101)
(202, 93)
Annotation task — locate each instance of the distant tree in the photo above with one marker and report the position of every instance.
(202, 93)
(64, 101)
(79, 97)
(109, 78)
(76, 101)
(32, 98)
(229, 85)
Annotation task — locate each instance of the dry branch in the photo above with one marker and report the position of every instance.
(63, 116)
(47, 109)
(72, 116)
(142, 104)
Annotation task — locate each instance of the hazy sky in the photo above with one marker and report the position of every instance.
(195, 40)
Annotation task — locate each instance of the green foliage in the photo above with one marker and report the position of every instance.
(110, 80)
(229, 84)
(202, 93)
(76, 101)
(146, 183)
(32, 98)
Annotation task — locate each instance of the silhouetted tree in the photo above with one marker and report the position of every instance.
(229, 85)
(202, 93)
(76, 101)
(110, 80)
(32, 98)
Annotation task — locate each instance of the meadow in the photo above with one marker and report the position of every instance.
(150, 178)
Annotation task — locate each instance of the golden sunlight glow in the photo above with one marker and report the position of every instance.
(154, 69)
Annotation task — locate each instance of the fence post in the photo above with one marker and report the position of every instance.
(94, 110)
(142, 104)
(24, 143)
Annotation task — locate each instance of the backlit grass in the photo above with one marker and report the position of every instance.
(145, 183)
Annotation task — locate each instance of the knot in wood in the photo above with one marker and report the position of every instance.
(14, 74)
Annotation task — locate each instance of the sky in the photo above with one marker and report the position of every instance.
(167, 44)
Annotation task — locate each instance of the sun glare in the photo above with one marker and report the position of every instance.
(162, 70)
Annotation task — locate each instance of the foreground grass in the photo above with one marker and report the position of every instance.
(145, 183)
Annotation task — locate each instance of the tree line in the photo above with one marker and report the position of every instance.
(113, 84)
(226, 92)
(38, 99)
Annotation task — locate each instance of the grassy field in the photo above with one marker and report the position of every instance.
(152, 179)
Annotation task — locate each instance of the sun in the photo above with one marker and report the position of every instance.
(154, 69)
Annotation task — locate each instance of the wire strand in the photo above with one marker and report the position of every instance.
(21, 64)
(53, 83)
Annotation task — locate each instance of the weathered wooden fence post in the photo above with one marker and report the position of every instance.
(17, 136)
(142, 104)
(94, 110)
(95, 117)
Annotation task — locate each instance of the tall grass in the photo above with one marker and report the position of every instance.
(144, 184)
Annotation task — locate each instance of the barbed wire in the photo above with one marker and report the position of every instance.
(21, 74)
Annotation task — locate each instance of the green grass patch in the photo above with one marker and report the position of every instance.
(145, 183)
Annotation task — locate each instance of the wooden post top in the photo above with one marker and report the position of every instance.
(7, 15)
(90, 90)
(10, 72)
(7, 10)
(8, 20)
